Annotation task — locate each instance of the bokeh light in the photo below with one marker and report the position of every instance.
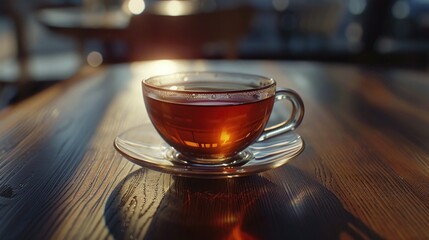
(94, 59)
(357, 7)
(176, 8)
(354, 32)
(280, 5)
(136, 7)
(401, 9)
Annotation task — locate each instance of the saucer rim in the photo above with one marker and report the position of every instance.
(207, 172)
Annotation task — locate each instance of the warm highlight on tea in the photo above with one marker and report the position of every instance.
(214, 129)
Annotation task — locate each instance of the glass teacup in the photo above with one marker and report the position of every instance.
(211, 117)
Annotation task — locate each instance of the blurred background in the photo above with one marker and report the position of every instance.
(43, 42)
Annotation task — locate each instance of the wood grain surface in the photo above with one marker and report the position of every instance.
(364, 173)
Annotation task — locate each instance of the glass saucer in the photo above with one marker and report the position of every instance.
(143, 146)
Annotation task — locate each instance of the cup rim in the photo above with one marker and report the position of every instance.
(236, 74)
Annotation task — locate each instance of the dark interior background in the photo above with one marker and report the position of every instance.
(381, 33)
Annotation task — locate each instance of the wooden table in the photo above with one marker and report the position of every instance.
(363, 174)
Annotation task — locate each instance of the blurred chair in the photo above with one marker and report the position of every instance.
(180, 29)
(165, 29)
(29, 70)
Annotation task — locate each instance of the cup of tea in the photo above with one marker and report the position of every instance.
(210, 117)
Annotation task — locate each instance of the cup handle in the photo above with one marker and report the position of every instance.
(294, 120)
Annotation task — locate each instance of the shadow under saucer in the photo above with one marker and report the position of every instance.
(153, 205)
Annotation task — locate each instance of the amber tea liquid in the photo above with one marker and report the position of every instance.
(207, 128)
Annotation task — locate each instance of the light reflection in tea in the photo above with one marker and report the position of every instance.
(224, 137)
(191, 144)
(209, 130)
